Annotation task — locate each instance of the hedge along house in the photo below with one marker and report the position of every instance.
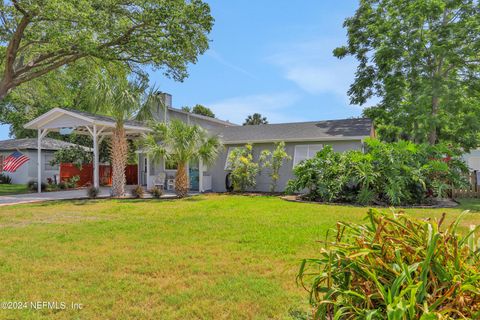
(28, 147)
(67, 120)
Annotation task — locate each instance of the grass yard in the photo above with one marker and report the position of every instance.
(205, 257)
(6, 189)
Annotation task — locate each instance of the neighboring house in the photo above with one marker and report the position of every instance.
(302, 141)
(28, 147)
(473, 159)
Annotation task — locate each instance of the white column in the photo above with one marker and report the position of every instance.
(96, 178)
(200, 175)
(39, 161)
(148, 171)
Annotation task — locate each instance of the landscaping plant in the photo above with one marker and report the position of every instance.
(138, 192)
(4, 179)
(395, 267)
(243, 169)
(93, 192)
(399, 173)
(181, 143)
(156, 192)
(274, 160)
(74, 154)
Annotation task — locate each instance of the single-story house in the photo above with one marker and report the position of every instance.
(28, 148)
(302, 141)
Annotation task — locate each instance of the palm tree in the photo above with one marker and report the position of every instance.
(255, 119)
(181, 143)
(123, 100)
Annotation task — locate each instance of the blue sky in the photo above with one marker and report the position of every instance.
(272, 57)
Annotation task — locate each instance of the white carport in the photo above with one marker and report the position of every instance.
(98, 127)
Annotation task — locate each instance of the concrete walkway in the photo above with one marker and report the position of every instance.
(63, 195)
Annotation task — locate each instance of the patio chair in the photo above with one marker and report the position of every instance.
(170, 183)
(159, 181)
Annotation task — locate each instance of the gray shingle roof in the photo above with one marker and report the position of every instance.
(105, 118)
(31, 143)
(298, 131)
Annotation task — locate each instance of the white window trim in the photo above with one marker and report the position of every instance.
(308, 151)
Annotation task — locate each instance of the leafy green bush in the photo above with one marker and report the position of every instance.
(4, 179)
(395, 267)
(387, 173)
(243, 169)
(32, 185)
(74, 154)
(138, 192)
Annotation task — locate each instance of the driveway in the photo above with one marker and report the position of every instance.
(48, 196)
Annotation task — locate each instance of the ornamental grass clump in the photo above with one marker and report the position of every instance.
(395, 267)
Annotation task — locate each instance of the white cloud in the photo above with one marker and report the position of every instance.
(276, 107)
(312, 66)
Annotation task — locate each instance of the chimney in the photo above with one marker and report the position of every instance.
(166, 100)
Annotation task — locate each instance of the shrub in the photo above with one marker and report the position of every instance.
(156, 192)
(93, 192)
(274, 160)
(74, 154)
(399, 173)
(32, 185)
(62, 185)
(4, 179)
(138, 192)
(395, 267)
(243, 169)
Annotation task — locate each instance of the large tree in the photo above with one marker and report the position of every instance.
(123, 99)
(38, 36)
(422, 59)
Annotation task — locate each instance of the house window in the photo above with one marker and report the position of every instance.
(170, 165)
(48, 158)
(305, 151)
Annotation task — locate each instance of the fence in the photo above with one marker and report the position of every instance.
(68, 170)
(473, 189)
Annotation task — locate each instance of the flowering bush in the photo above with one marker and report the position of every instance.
(243, 169)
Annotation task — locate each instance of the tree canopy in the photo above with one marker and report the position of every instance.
(422, 59)
(39, 36)
(255, 119)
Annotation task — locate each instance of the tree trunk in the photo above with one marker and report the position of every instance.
(181, 180)
(119, 154)
(432, 137)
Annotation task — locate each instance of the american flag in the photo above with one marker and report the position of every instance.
(14, 161)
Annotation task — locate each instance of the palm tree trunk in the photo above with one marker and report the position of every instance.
(181, 180)
(119, 154)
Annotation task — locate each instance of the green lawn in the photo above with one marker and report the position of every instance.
(6, 189)
(206, 257)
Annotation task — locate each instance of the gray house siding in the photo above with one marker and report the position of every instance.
(28, 171)
(218, 172)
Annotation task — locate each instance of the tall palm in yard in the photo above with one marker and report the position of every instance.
(122, 100)
(181, 143)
